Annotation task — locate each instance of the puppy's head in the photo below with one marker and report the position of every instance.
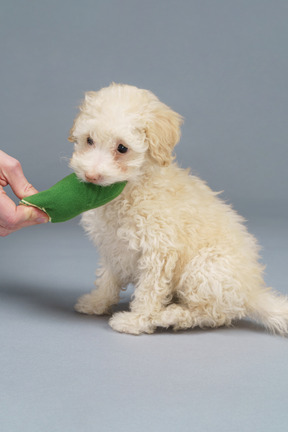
(120, 131)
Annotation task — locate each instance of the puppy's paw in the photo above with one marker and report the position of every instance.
(131, 323)
(89, 304)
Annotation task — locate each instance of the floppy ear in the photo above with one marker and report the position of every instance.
(89, 99)
(163, 132)
(71, 137)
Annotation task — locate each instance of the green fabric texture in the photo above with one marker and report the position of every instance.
(70, 197)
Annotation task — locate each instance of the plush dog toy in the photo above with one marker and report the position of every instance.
(70, 197)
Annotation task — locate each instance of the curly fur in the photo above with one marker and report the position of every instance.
(189, 255)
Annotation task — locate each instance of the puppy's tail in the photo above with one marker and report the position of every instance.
(271, 310)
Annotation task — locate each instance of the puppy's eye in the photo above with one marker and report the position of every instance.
(122, 149)
(90, 141)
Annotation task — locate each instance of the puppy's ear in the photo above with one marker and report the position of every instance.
(163, 132)
(71, 137)
(89, 99)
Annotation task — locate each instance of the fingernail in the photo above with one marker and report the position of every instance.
(42, 220)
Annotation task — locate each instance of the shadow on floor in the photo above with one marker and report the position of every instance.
(42, 297)
(61, 301)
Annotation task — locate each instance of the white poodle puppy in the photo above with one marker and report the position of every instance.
(188, 254)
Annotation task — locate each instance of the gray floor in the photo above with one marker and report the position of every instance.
(61, 371)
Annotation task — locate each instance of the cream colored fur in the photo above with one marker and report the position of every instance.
(188, 254)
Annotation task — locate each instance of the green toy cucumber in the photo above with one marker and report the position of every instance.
(70, 197)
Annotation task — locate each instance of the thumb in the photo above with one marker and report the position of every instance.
(29, 215)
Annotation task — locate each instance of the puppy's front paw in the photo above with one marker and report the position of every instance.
(131, 323)
(91, 305)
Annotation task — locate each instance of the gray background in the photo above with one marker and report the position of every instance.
(223, 66)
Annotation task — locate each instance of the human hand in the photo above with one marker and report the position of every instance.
(13, 217)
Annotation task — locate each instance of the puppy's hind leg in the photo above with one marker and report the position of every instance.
(99, 301)
(211, 291)
(180, 317)
(175, 315)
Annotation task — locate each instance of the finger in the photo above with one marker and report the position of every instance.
(14, 176)
(14, 217)
(28, 215)
(33, 217)
(7, 208)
